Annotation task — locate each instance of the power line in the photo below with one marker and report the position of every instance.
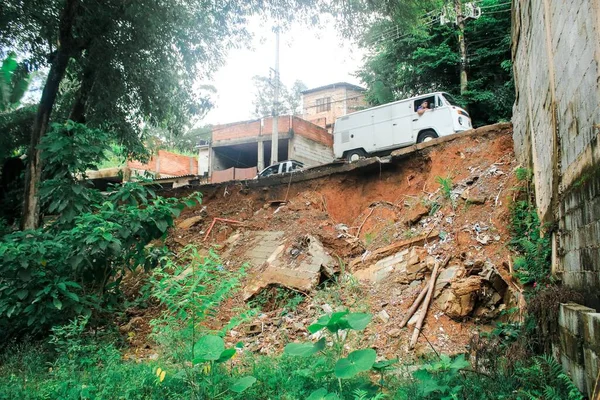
(495, 5)
(395, 36)
(495, 12)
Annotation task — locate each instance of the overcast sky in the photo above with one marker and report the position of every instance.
(315, 56)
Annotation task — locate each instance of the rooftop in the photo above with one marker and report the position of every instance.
(333, 86)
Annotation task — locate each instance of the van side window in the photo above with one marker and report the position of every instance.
(418, 102)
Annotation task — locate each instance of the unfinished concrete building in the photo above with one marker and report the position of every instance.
(246, 146)
(322, 105)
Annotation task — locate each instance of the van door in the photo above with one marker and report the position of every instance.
(437, 118)
(402, 117)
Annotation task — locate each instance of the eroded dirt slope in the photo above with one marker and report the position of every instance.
(369, 224)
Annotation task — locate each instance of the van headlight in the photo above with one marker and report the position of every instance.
(460, 120)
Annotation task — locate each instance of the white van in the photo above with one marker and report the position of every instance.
(397, 124)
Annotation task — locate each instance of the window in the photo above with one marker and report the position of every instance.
(430, 100)
(324, 104)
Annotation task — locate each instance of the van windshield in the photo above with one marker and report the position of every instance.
(450, 99)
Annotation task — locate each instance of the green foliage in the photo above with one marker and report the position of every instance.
(532, 266)
(290, 100)
(277, 297)
(190, 291)
(445, 186)
(14, 81)
(440, 379)
(544, 378)
(408, 60)
(75, 264)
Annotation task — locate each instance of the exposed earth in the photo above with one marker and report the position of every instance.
(366, 240)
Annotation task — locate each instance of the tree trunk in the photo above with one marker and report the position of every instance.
(31, 205)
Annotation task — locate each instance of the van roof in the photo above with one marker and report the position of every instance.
(393, 102)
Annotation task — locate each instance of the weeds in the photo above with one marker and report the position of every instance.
(532, 266)
(445, 186)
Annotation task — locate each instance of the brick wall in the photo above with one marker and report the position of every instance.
(556, 117)
(166, 164)
(311, 131)
(343, 101)
(236, 130)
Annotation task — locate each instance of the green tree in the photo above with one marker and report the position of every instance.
(290, 99)
(14, 81)
(117, 64)
(408, 62)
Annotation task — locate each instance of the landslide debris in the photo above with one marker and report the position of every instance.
(368, 239)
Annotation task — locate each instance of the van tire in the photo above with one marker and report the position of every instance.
(355, 155)
(426, 136)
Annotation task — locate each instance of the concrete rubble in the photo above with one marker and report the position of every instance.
(297, 265)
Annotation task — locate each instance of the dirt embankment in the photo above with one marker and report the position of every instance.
(367, 223)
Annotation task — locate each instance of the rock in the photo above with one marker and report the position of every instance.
(327, 309)
(459, 301)
(415, 272)
(446, 276)
(394, 333)
(299, 327)
(189, 222)
(430, 261)
(383, 316)
(415, 255)
(415, 214)
(415, 283)
(458, 307)
(473, 198)
(492, 275)
(467, 285)
(474, 267)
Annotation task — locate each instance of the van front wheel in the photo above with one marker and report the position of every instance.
(426, 136)
(354, 155)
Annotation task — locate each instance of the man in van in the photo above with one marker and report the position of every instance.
(423, 107)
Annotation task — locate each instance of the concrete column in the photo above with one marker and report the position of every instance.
(261, 156)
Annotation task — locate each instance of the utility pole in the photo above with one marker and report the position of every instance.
(275, 137)
(460, 22)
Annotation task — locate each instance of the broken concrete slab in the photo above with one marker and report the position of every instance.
(264, 244)
(383, 268)
(302, 274)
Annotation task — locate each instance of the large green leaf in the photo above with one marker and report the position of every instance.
(226, 355)
(382, 365)
(358, 321)
(333, 322)
(242, 384)
(208, 348)
(304, 349)
(322, 394)
(358, 361)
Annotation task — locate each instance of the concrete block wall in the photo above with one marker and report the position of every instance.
(556, 118)
(580, 344)
(309, 152)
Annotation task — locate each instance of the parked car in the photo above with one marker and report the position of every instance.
(281, 167)
(398, 124)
